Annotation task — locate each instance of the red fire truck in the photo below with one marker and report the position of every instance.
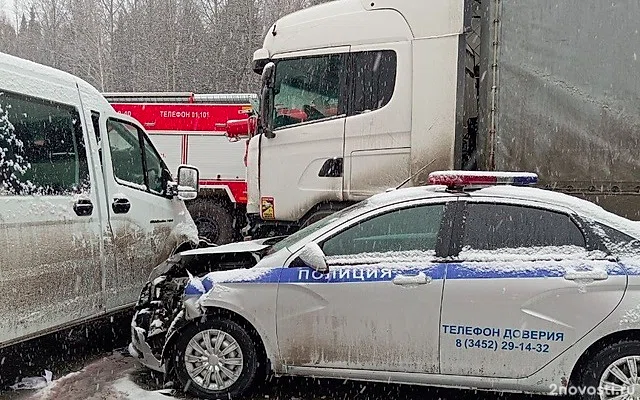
(191, 128)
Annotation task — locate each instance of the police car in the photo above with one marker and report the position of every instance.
(476, 281)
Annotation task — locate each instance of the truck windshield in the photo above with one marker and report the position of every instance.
(307, 89)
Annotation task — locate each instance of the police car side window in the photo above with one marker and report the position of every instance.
(498, 226)
(414, 228)
(42, 148)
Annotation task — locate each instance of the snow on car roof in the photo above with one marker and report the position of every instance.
(585, 208)
(36, 69)
(51, 74)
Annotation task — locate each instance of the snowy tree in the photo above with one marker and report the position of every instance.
(13, 164)
(147, 45)
(8, 38)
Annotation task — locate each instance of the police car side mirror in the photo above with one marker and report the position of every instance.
(313, 256)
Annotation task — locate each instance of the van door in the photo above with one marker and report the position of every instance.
(377, 152)
(141, 214)
(50, 219)
(302, 165)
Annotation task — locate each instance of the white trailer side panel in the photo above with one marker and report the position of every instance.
(216, 156)
(169, 146)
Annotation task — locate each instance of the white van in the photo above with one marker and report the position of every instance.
(87, 206)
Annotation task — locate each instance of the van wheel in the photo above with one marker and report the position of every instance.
(612, 373)
(213, 220)
(215, 359)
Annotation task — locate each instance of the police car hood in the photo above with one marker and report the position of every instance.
(240, 255)
(238, 247)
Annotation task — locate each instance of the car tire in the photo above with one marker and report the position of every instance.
(246, 356)
(625, 355)
(213, 220)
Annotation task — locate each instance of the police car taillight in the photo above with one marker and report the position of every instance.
(473, 179)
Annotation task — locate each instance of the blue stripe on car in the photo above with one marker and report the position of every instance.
(387, 274)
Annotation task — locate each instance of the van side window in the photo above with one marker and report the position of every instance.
(95, 120)
(374, 79)
(135, 161)
(42, 149)
(126, 153)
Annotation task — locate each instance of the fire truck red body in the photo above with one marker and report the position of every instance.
(192, 128)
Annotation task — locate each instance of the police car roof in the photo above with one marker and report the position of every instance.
(550, 198)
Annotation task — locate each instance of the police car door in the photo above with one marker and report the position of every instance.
(378, 306)
(525, 286)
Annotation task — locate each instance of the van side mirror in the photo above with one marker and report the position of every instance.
(188, 182)
(313, 256)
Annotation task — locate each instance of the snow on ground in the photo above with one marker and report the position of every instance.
(117, 377)
(109, 378)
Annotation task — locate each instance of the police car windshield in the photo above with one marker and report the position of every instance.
(316, 226)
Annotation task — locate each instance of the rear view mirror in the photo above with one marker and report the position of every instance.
(313, 256)
(188, 182)
(266, 100)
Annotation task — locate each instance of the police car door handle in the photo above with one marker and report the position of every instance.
(586, 275)
(409, 280)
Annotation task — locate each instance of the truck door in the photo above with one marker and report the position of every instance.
(50, 217)
(141, 215)
(302, 165)
(377, 145)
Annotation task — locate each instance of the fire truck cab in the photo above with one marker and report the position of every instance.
(191, 128)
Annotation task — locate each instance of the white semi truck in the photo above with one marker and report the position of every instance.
(359, 96)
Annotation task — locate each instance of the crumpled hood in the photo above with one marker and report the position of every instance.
(253, 247)
(238, 247)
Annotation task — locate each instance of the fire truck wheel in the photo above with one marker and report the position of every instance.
(214, 221)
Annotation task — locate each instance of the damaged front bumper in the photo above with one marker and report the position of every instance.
(140, 349)
(155, 316)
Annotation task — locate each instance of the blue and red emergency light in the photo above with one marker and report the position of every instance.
(481, 178)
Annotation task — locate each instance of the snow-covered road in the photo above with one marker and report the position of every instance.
(117, 377)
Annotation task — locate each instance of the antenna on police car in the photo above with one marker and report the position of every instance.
(414, 175)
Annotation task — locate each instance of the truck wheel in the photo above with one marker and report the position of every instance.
(612, 373)
(214, 221)
(216, 359)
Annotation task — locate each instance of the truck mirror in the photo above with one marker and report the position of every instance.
(266, 100)
(188, 182)
(268, 74)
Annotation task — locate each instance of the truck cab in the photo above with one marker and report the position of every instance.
(343, 114)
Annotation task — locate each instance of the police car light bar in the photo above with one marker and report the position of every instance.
(482, 178)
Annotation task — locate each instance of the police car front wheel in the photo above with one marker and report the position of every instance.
(613, 373)
(215, 359)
